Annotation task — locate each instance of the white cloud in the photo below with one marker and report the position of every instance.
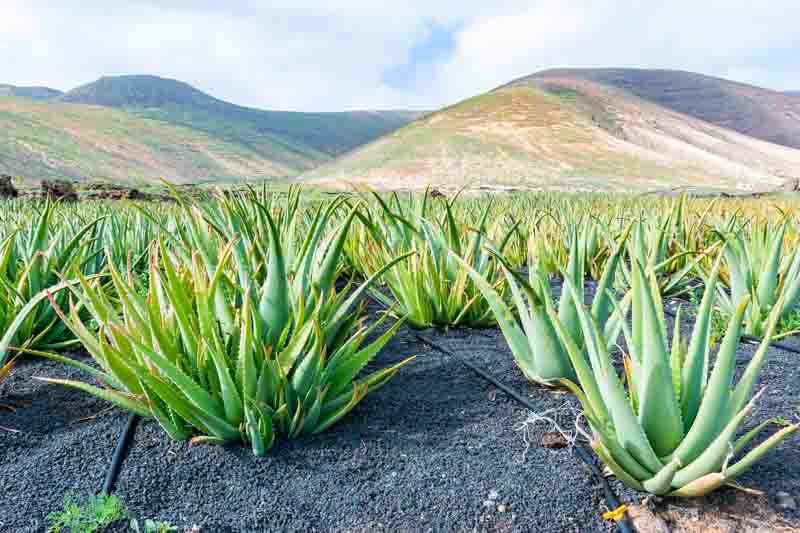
(312, 55)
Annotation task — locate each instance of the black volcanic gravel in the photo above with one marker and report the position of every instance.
(422, 454)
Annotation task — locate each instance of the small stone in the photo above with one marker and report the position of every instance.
(645, 521)
(493, 495)
(554, 440)
(785, 501)
(502, 508)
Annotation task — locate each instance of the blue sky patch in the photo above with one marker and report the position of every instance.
(436, 47)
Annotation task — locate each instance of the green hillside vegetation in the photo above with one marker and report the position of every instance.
(135, 129)
(296, 140)
(76, 142)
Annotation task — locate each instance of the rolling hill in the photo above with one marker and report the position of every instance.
(35, 93)
(135, 129)
(792, 93)
(568, 133)
(761, 113)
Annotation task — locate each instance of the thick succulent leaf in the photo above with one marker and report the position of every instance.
(120, 399)
(693, 372)
(714, 455)
(659, 412)
(711, 414)
(746, 463)
(629, 433)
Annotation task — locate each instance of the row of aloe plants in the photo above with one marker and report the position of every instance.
(268, 345)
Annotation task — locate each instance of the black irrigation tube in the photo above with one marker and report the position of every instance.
(754, 340)
(623, 525)
(120, 453)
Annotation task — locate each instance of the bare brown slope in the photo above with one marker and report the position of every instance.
(41, 140)
(564, 134)
(762, 113)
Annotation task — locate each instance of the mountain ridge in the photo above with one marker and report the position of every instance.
(564, 132)
(755, 111)
(32, 92)
(208, 137)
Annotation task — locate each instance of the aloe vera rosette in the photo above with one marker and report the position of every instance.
(672, 428)
(538, 350)
(211, 359)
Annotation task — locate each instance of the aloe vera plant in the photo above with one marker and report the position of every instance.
(210, 352)
(673, 431)
(654, 245)
(32, 258)
(432, 288)
(551, 254)
(540, 353)
(759, 267)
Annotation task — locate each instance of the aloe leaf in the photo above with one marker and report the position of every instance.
(659, 413)
(274, 305)
(629, 433)
(23, 313)
(694, 369)
(746, 463)
(711, 413)
(615, 467)
(512, 332)
(713, 456)
(125, 401)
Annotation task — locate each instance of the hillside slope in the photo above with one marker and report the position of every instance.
(36, 93)
(283, 135)
(761, 113)
(564, 134)
(77, 142)
(138, 128)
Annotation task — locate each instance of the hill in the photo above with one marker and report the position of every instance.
(35, 93)
(761, 113)
(315, 135)
(44, 140)
(792, 93)
(134, 129)
(570, 134)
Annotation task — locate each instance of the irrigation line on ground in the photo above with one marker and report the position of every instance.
(120, 453)
(611, 498)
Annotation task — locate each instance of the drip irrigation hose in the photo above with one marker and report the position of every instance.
(776, 344)
(754, 340)
(120, 453)
(623, 525)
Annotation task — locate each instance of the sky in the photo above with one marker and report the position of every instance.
(310, 55)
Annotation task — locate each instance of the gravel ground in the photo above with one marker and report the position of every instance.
(437, 449)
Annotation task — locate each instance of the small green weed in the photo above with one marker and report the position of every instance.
(96, 513)
(90, 515)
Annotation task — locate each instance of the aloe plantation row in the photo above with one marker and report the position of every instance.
(241, 316)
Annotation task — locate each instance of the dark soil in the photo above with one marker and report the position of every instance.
(437, 449)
